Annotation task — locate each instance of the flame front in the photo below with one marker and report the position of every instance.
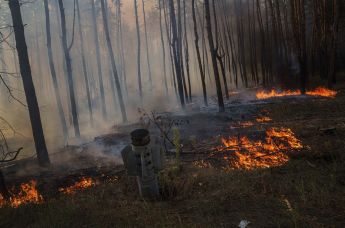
(28, 194)
(250, 154)
(84, 183)
(318, 92)
(323, 92)
(263, 119)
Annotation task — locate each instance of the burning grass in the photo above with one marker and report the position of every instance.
(27, 193)
(318, 92)
(84, 183)
(241, 152)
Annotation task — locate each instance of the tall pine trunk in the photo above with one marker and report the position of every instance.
(202, 73)
(82, 50)
(147, 46)
(98, 59)
(214, 56)
(176, 52)
(66, 50)
(112, 60)
(138, 50)
(53, 73)
(29, 89)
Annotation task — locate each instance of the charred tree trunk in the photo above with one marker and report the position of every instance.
(219, 56)
(176, 52)
(147, 47)
(163, 46)
(3, 188)
(83, 59)
(299, 27)
(66, 50)
(138, 49)
(187, 51)
(202, 73)
(113, 65)
(123, 59)
(213, 52)
(29, 89)
(98, 58)
(53, 73)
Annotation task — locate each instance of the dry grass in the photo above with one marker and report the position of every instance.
(307, 192)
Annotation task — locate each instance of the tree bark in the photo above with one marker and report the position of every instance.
(82, 50)
(138, 49)
(53, 73)
(66, 50)
(112, 60)
(176, 52)
(98, 59)
(147, 46)
(29, 89)
(3, 188)
(202, 73)
(214, 57)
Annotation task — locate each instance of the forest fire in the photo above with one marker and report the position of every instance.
(318, 92)
(250, 154)
(84, 183)
(244, 124)
(263, 119)
(28, 194)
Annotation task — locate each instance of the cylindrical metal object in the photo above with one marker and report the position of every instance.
(147, 181)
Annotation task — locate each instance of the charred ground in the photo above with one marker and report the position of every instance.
(306, 191)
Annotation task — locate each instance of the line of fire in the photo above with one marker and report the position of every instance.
(172, 113)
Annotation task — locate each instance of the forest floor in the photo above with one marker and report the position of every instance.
(305, 190)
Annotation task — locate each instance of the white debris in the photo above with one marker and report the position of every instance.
(243, 224)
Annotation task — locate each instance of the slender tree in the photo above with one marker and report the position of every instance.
(85, 72)
(160, 7)
(112, 60)
(53, 72)
(98, 58)
(176, 52)
(202, 73)
(68, 61)
(29, 89)
(147, 45)
(214, 56)
(138, 49)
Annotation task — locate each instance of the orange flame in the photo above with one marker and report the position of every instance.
(250, 154)
(244, 124)
(264, 119)
(84, 183)
(318, 92)
(322, 92)
(28, 194)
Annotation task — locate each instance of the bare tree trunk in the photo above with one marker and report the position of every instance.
(123, 59)
(163, 46)
(138, 50)
(214, 56)
(219, 56)
(3, 189)
(202, 73)
(171, 48)
(112, 59)
(29, 89)
(53, 73)
(187, 51)
(180, 47)
(176, 52)
(67, 55)
(147, 47)
(82, 50)
(98, 58)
